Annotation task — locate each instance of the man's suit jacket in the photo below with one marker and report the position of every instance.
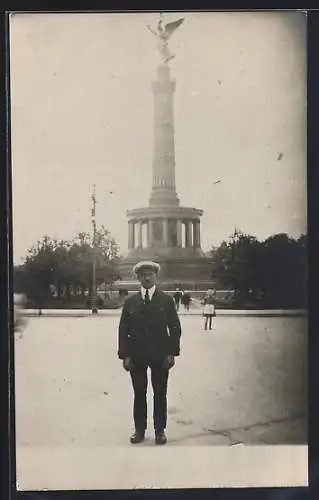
(152, 330)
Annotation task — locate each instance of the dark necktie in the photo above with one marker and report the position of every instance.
(147, 298)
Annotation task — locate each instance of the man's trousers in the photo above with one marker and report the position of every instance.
(159, 378)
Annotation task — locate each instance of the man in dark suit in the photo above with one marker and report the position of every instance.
(149, 336)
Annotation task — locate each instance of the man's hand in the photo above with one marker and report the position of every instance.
(169, 362)
(127, 364)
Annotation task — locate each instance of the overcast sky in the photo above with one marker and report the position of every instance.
(82, 113)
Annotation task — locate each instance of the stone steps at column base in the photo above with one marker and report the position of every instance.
(161, 252)
(187, 268)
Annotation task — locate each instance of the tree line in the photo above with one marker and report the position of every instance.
(268, 274)
(59, 272)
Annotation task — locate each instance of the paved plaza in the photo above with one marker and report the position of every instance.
(243, 383)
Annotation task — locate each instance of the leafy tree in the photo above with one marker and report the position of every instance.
(104, 249)
(271, 273)
(63, 269)
(35, 275)
(237, 263)
(283, 275)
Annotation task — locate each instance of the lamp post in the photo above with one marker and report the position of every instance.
(94, 294)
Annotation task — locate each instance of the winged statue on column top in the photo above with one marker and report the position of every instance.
(163, 33)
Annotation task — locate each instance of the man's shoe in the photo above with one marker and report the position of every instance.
(160, 438)
(137, 437)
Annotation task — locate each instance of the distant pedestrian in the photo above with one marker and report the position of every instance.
(209, 307)
(19, 320)
(186, 300)
(178, 297)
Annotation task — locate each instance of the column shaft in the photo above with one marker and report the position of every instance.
(140, 234)
(133, 234)
(165, 232)
(179, 233)
(189, 234)
(130, 236)
(196, 233)
(150, 233)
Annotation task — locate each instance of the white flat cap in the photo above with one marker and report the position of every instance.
(146, 264)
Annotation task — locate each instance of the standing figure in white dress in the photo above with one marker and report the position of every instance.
(209, 307)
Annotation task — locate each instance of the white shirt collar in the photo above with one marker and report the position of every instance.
(150, 292)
